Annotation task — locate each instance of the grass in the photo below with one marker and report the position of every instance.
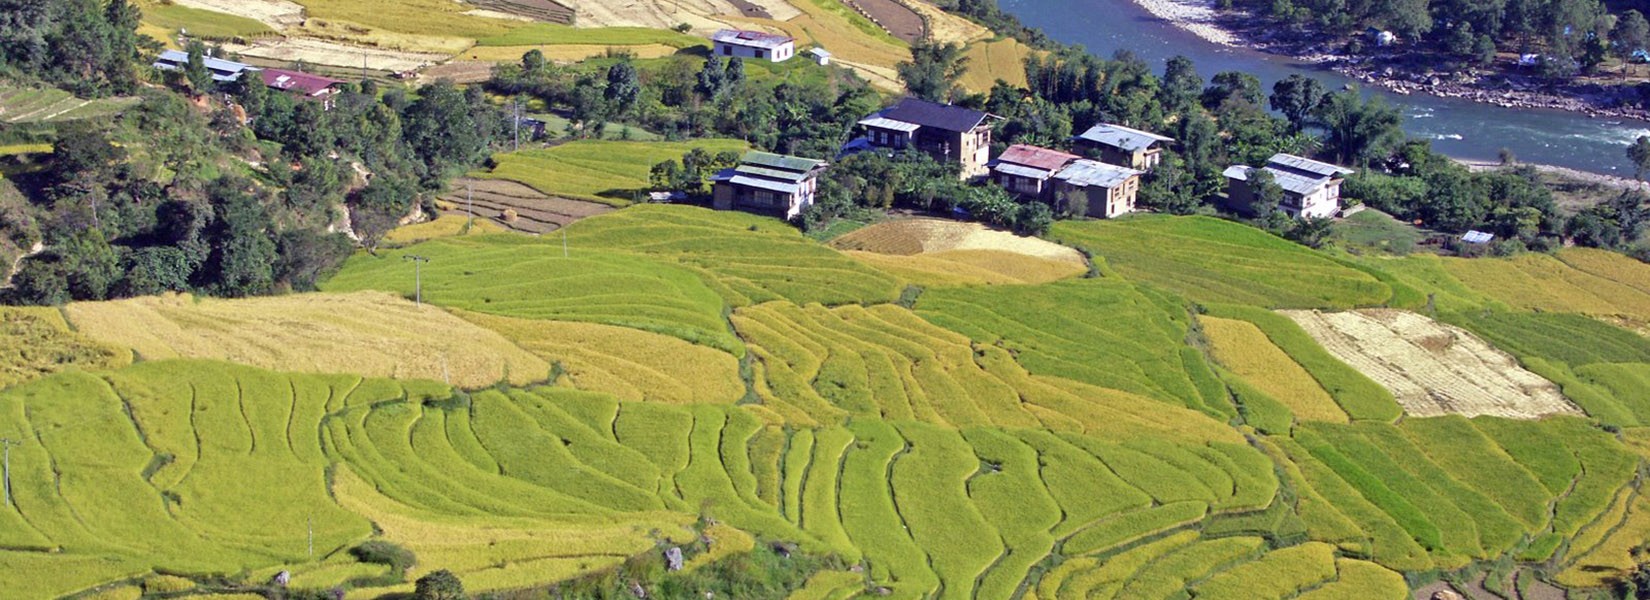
(1372, 231)
(1277, 575)
(1246, 351)
(371, 334)
(419, 17)
(747, 259)
(608, 172)
(35, 342)
(1358, 580)
(203, 24)
(442, 227)
(970, 267)
(16, 149)
(522, 277)
(1539, 282)
(1211, 260)
(19, 105)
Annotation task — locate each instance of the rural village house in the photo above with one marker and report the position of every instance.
(223, 71)
(1311, 189)
(753, 44)
(1025, 170)
(1096, 189)
(1119, 145)
(302, 85)
(948, 133)
(768, 183)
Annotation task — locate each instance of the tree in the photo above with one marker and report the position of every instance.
(195, 71)
(1297, 97)
(1264, 192)
(439, 585)
(1033, 218)
(1358, 130)
(1232, 86)
(1312, 232)
(1181, 84)
(1639, 153)
(533, 63)
(711, 79)
(934, 70)
(623, 86)
(243, 258)
(1632, 33)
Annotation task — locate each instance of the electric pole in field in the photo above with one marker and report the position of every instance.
(5, 465)
(312, 536)
(518, 122)
(470, 202)
(418, 277)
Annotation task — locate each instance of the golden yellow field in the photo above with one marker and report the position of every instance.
(372, 334)
(989, 61)
(1245, 349)
(630, 364)
(970, 267)
(36, 341)
(1597, 286)
(442, 227)
(1618, 552)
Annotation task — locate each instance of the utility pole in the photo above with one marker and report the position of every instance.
(312, 536)
(470, 201)
(5, 465)
(418, 277)
(564, 241)
(518, 123)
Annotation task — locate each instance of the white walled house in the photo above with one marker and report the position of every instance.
(753, 44)
(1311, 189)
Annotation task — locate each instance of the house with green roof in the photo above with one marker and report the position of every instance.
(767, 183)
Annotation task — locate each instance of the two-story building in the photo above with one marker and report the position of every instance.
(1119, 145)
(767, 183)
(1025, 170)
(758, 45)
(949, 133)
(1096, 189)
(1311, 189)
(223, 71)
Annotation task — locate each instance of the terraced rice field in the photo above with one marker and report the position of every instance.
(27, 105)
(442, 227)
(746, 258)
(934, 252)
(202, 23)
(991, 60)
(513, 276)
(514, 206)
(1245, 350)
(1210, 260)
(35, 342)
(1434, 369)
(601, 171)
(1587, 282)
(371, 334)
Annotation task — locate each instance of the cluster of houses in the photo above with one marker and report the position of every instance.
(307, 86)
(1104, 186)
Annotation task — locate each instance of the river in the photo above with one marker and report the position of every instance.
(1458, 128)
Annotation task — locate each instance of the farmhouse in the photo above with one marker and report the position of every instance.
(1096, 189)
(768, 183)
(302, 85)
(1026, 170)
(1311, 189)
(753, 44)
(948, 133)
(1119, 145)
(223, 71)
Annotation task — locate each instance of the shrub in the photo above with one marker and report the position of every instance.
(384, 553)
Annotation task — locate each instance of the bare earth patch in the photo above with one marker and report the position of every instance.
(658, 14)
(337, 55)
(278, 14)
(1432, 368)
(530, 211)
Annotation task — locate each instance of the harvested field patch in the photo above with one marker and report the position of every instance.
(906, 237)
(1433, 369)
(949, 27)
(1245, 349)
(497, 200)
(443, 18)
(1211, 260)
(319, 52)
(546, 34)
(895, 17)
(567, 53)
(629, 364)
(278, 14)
(35, 342)
(370, 333)
(203, 23)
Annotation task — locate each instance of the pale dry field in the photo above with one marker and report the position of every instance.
(335, 54)
(373, 334)
(564, 52)
(927, 236)
(1432, 368)
(945, 27)
(278, 14)
(630, 364)
(970, 267)
(657, 14)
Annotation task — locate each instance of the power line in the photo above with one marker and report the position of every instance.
(418, 277)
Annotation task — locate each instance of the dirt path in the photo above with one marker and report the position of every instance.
(897, 18)
(1432, 368)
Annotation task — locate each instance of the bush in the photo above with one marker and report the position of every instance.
(380, 552)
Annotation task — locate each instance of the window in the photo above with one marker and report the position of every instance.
(727, 50)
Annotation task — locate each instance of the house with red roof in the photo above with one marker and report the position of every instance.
(1025, 170)
(304, 85)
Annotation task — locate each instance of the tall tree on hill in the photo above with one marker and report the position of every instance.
(1639, 153)
(1358, 130)
(934, 70)
(623, 86)
(1181, 85)
(1296, 97)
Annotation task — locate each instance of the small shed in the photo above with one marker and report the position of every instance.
(821, 56)
(1477, 237)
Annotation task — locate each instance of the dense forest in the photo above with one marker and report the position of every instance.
(184, 191)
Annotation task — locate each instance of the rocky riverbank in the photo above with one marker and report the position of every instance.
(1238, 29)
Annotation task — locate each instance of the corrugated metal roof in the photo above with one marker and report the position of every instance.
(1022, 170)
(222, 70)
(1477, 237)
(770, 173)
(307, 83)
(1118, 136)
(1038, 157)
(933, 114)
(1293, 180)
(780, 161)
(752, 39)
(1093, 173)
(1307, 165)
(882, 123)
(765, 184)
